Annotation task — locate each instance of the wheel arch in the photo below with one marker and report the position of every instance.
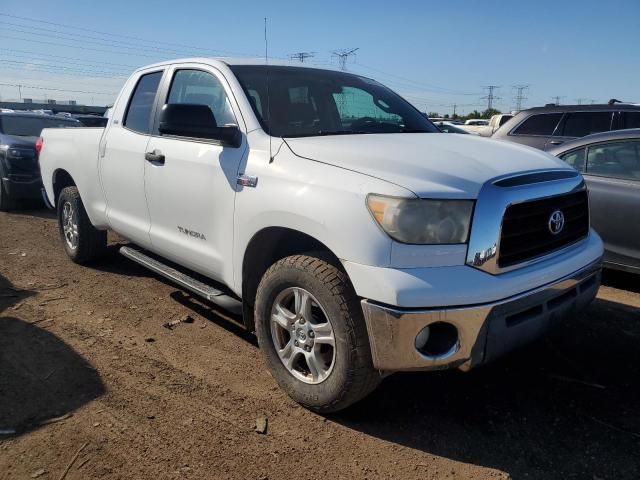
(266, 247)
(61, 179)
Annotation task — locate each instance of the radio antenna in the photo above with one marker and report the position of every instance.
(266, 61)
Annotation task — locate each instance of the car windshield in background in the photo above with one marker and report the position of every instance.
(32, 126)
(307, 102)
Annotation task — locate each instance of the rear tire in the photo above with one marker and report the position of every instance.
(6, 203)
(81, 240)
(344, 373)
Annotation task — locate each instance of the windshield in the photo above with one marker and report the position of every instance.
(32, 126)
(306, 102)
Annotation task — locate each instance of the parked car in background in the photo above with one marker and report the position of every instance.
(355, 238)
(448, 127)
(490, 127)
(475, 125)
(19, 171)
(552, 125)
(610, 164)
(91, 120)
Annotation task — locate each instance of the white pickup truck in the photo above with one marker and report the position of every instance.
(355, 239)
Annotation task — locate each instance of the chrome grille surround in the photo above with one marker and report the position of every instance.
(493, 200)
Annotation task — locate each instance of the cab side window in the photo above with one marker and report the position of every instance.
(616, 159)
(202, 88)
(138, 114)
(575, 159)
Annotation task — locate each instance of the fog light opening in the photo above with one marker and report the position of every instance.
(437, 340)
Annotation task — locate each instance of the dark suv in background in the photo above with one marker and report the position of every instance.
(19, 170)
(547, 127)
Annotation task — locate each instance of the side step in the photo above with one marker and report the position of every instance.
(193, 285)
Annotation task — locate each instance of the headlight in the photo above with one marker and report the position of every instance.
(423, 222)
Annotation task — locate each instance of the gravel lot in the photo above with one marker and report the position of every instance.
(87, 366)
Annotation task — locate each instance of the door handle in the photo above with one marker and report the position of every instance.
(155, 157)
(556, 142)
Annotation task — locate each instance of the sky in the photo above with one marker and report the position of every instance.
(436, 54)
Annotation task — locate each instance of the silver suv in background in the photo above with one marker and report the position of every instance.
(552, 125)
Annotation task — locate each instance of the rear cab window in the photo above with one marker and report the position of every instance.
(543, 124)
(138, 114)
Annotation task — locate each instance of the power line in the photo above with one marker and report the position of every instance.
(491, 96)
(110, 35)
(35, 87)
(48, 55)
(520, 97)
(343, 55)
(426, 86)
(301, 56)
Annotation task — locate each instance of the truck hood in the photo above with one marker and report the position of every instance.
(429, 164)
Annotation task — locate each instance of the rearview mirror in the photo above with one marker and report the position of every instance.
(196, 121)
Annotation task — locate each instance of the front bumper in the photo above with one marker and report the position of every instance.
(485, 331)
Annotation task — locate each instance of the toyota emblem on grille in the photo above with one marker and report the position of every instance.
(556, 222)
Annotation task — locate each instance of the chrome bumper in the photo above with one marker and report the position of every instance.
(485, 331)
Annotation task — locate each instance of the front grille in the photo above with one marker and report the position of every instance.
(525, 227)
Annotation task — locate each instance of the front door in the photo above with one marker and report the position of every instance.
(122, 165)
(191, 192)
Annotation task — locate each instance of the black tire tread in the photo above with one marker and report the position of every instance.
(363, 378)
(92, 243)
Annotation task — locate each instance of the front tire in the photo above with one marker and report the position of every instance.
(81, 240)
(312, 333)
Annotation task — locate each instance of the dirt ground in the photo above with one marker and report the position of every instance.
(93, 386)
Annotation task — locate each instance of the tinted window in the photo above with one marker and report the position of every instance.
(202, 88)
(310, 102)
(540, 124)
(616, 159)
(139, 111)
(32, 126)
(580, 124)
(575, 159)
(504, 119)
(631, 119)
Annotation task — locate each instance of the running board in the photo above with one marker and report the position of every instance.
(195, 286)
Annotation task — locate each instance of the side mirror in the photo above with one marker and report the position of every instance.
(196, 121)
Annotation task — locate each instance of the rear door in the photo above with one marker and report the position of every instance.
(613, 178)
(191, 194)
(122, 164)
(580, 124)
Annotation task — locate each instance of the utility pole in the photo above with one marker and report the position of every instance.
(343, 55)
(301, 56)
(556, 99)
(580, 100)
(490, 97)
(520, 91)
(454, 110)
(20, 92)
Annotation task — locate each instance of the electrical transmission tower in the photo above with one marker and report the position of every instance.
(301, 56)
(491, 96)
(519, 97)
(580, 100)
(343, 55)
(556, 99)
